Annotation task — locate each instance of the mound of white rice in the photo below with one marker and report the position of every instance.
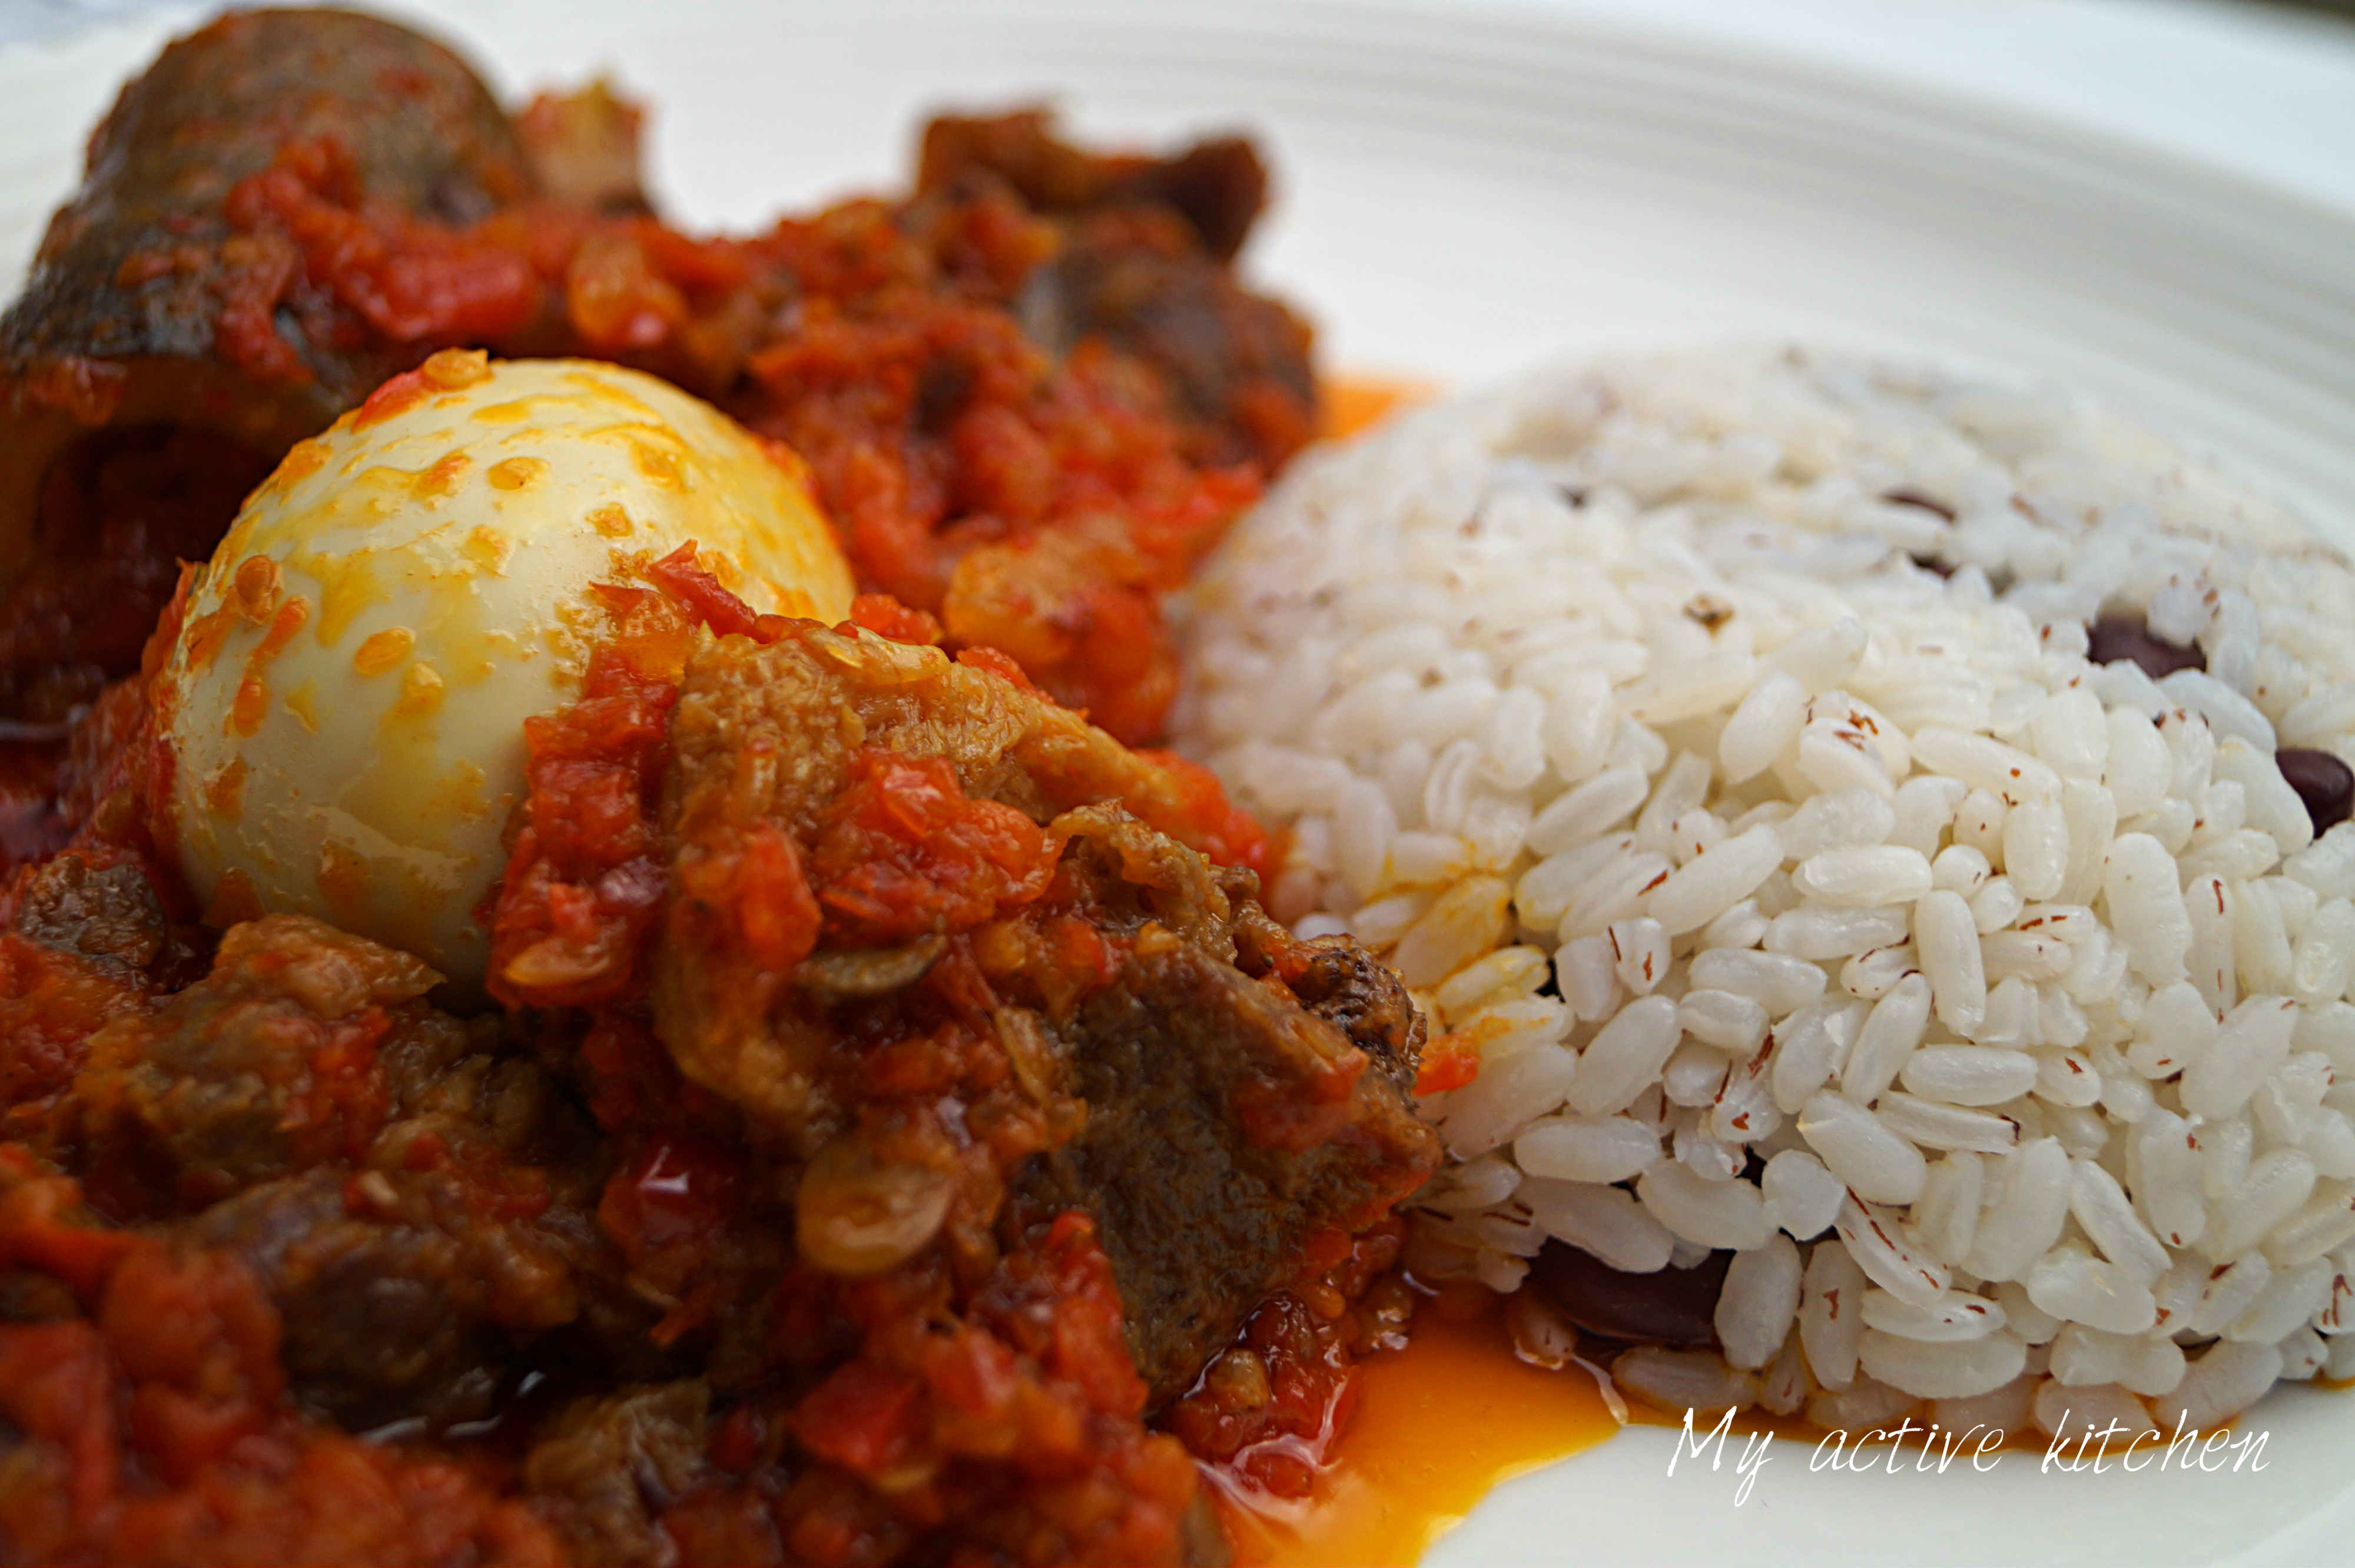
(1989, 1004)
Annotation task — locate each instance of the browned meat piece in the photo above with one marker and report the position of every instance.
(1230, 1116)
(283, 1058)
(105, 910)
(1219, 186)
(604, 1470)
(1224, 350)
(1344, 985)
(766, 738)
(143, 288)
(1202, 1184)
(84, 940)
(418, 1207)
(1238, 362)
(378, 1319)
(398, 1300)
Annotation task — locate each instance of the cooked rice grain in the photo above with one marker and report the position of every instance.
(1713, 744)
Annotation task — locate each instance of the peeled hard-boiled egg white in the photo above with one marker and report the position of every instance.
(345, 699)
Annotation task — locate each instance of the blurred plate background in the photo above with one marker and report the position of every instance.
(2153, 202)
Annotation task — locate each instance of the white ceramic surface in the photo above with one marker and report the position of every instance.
(1467, 188)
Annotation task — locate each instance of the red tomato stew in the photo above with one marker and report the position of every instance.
(894, 1132)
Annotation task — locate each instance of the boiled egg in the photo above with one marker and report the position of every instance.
(345, 699)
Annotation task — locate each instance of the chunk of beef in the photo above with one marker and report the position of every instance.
(1226, 1124)
(1230, 356)
(418, 1205)
(400, 1299)
(1344, 985)
(764, 739)
(104, 909)
(84, 941)
(1145, 265)
(284, 1056)
(1219, 186)
(1230, 1116)
(382, 1320)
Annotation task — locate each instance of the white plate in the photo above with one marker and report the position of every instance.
(1465, 190)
